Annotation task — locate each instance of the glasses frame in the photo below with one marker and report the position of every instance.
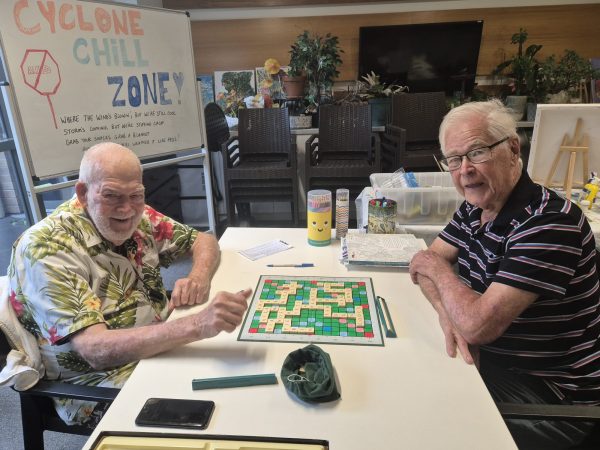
(444, 161)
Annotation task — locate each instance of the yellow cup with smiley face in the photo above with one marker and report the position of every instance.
(318, 217)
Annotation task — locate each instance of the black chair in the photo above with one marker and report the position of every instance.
(345, 152)
(260, 163)
(217, 132)
(37, 409)
(569, 413)
(420, 116)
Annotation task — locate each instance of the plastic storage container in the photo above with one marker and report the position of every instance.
(432, 203)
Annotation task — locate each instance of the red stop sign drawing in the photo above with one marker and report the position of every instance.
(41, 73)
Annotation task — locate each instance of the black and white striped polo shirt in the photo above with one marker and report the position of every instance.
(540, 243)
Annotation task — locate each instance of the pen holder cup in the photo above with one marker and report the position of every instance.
(382, 216)
(318, 217)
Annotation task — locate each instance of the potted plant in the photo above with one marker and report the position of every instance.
(559, 76)
(523, 72)
(317, 57)
(378, 94)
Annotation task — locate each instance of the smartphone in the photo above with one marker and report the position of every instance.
(177, 413)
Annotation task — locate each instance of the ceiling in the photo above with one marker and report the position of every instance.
(212, 4)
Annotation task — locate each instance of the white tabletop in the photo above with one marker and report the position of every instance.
(407, 394)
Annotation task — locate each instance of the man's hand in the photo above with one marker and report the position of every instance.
(189, 291)
(454, 339)
(427, 263)
(224, 313)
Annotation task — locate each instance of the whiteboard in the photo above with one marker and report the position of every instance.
(552, 122)
(84, 72)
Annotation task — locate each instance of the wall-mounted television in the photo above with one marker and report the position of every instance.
(425, 57)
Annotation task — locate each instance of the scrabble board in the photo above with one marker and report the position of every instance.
(331, 310)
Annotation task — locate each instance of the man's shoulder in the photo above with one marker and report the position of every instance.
(67, 223)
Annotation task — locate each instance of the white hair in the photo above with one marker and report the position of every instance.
(497, 118)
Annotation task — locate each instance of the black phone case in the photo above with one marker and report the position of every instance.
(176, 413)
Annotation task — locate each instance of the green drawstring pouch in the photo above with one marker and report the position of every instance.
(308, 374)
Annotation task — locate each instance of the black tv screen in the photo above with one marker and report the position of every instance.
(425, 57)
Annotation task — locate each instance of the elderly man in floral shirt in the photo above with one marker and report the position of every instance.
(85, 281)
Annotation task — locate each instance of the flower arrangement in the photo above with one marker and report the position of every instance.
(270, 84)
(373, 87)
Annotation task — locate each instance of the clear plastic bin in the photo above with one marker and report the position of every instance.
(432, 203)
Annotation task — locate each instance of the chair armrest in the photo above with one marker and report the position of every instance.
(293, 154)
(309, 147)
(47, 388)
(545, 411)
(228, 148)
(393, 146)
(394, 131)
(310, 140)
(376, 140)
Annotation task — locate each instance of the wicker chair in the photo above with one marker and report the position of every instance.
(420, 116)
(345, 152)
(260, 163)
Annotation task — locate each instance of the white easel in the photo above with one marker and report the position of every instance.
(578, 144)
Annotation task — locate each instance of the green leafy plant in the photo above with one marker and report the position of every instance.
(564, 73)
(317, 57)
(523, 65)
(373, 87)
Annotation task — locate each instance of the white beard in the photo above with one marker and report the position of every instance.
(103, 225)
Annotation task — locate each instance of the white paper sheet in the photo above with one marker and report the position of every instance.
(266, 249)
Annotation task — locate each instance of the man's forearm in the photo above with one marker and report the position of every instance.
(430, 291)
(206, 256)
(123, 346)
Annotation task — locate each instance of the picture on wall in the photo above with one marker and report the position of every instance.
(231, 87)
(270, 85)
(207, 89)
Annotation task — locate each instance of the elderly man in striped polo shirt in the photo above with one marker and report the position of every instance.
(525, 305)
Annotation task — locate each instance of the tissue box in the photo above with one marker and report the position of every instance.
(432, 203)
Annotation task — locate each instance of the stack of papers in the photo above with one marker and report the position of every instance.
(394, 250)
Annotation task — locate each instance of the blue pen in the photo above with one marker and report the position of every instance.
(292, 265)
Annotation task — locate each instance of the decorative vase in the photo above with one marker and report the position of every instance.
(293, 86)
(559, 97)
(381, 111)
(531, 110)
(301, 121)
(517, 103)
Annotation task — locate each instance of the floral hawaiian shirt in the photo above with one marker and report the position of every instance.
(64, 276)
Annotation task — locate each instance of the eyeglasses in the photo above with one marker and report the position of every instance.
(114, 199)
(476, 156)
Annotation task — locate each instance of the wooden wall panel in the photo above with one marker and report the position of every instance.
(246, 43)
